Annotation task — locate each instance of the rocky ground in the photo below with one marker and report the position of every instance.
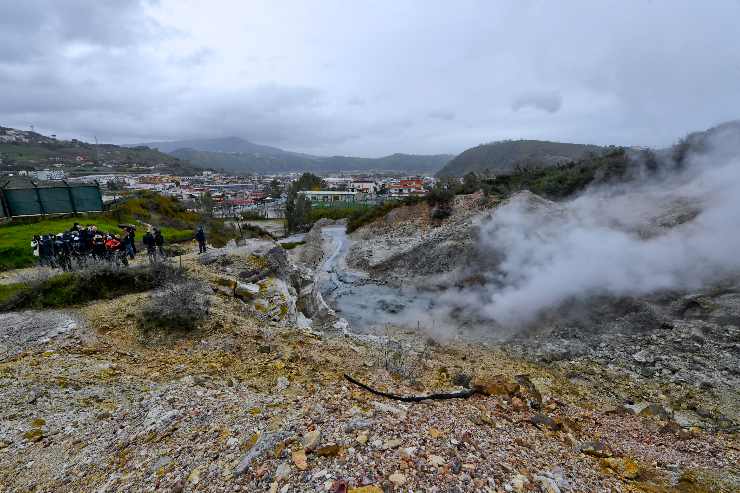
(408, 244)
(250, 401)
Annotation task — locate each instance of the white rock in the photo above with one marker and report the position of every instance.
(282, 472)
(397, 478)
(311, 439)
(282, 384)
(436, 460)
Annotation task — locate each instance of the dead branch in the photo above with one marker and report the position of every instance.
(463, 394)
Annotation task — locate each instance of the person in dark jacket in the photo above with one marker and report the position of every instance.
(132, 234)
(127, 243)
(98, 246)
(200, 236)
(159, 242)
(151, 248)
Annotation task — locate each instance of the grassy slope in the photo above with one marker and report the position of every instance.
(15, 239)
(170, 216)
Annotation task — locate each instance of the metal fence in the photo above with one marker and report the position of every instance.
(39, 200)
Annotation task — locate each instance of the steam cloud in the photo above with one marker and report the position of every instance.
(677, 232)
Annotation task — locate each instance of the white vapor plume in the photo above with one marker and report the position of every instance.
(679, 232)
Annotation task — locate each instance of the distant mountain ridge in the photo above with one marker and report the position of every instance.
(288, 162)
(22, 150)
(225, 144)
(504, 156)
(237, 155)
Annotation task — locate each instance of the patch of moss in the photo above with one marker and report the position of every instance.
(34, 435)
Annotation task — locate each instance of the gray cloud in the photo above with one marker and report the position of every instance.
(549, 102)
(335, 78)
(442, 115)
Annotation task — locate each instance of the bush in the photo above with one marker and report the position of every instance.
(99, 281)
(334, 213)
(289, 245)
(252, 216)
(180, 305)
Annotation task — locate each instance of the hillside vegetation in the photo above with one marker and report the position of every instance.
(506, 156)
(23, 150)
(260, 162)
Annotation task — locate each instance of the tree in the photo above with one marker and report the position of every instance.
(297, 207)
(471, 183)
(205, 204)
(276, 189)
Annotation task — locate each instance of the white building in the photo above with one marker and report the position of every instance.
(327, 197)
(369, 187)
(48, 174)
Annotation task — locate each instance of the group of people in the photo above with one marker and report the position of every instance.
(82, 244)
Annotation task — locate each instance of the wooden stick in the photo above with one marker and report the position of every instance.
(413, 398)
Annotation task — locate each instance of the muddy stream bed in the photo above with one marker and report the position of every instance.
(368, 305)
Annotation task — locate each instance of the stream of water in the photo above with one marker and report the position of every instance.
(367, 305)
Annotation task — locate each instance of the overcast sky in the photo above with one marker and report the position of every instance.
(370, 77)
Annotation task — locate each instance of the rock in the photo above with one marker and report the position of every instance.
(518, 404)
(299, 459)
(380, 406)
(357, 423)
(623, 466)
(519, 483)
(397, 479)
(644, 356)
(595, 449)
(311, 439)
(435, 433)
(282, 384)
(362, 437)
(436, 460)
(541, 421)
(178, 487)
(390, 444)
(282, 472)
(365, 489)
(408, 453)
(225, 285)
(494, 385)
(194, 477)
(329, 450)
(547, 485)
(246, 291)
(265, 443)
(160, 463)
(655, 410)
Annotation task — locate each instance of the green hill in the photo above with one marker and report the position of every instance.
(503, 157)
(24, 150)
(266, 163)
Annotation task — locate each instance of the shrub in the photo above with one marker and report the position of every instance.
(180, 305)
(98, 281)
(289, 245)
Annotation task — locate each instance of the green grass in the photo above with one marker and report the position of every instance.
(8, 291)
(169, 215)
(289, 245)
